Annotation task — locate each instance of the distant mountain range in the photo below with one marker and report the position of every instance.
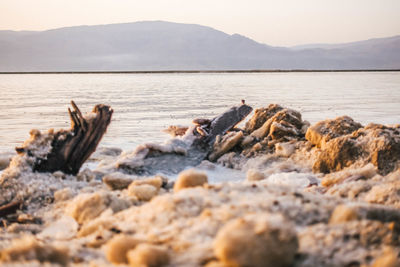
(158, 45)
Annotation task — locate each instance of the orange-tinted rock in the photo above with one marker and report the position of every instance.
(260, 116)
(376, 144)
(322, 132)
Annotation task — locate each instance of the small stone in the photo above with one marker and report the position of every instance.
(86, 175)
(343, 213)
(284, 149)
(175, 130)
(190, 178)
(144, 192)
(146, 255)
(253, 175)
(259, 240)
(156, 181)
(118, 246)
(117, 180)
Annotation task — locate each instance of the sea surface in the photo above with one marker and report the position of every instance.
(145, 104)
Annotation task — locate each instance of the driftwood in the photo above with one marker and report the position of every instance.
(71, 148)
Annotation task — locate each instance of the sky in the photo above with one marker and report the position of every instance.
(274, 22)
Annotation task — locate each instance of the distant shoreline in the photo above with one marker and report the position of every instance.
(192, 71)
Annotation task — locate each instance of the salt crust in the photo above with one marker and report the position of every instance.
(351, 219)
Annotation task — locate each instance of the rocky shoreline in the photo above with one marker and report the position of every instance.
(311, 195)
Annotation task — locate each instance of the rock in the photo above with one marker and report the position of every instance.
(143, 192)
(29, 249)
(253, 175)
(117, 180)
(221, 146)
(322, 132)
(118, 247)
(201, 121)
(285, 125)
(376, 144)
(190, 178)
(146, 255)
(342, 214)
(284, 149)
(88, 206)
(389, 258)
(175, 130)
(156, 181)
(86, 175)
(261, 115)
(339, 153)
(259, 240)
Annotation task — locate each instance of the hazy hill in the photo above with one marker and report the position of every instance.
(158, 45)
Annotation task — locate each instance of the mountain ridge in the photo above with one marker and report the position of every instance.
(159, 45)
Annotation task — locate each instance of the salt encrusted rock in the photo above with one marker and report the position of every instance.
(261, 115)
(285, 149)
(342, 214)
(143, 192)
(190, 178)
(118, 247)
(253, 175)
(117, 180)
(156, 181)
(224, 144)
(29, 249)
(146, 255)
(322, 132)
(175, 130)
(88, 206)
(86, 175)
(285, 125)
(389, 258)
(377, 144)
(338, 154)
(259, 240)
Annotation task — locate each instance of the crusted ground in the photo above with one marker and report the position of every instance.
(321, 195)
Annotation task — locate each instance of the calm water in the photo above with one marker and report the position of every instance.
(144, 104)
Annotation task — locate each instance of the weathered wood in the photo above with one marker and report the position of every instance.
(71, 148)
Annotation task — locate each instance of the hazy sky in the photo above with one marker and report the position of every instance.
(275, 22)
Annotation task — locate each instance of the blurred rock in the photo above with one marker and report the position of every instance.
(146, 255)
(259, 240)
(190, 178)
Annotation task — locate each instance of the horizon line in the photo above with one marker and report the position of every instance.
(197, 71)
